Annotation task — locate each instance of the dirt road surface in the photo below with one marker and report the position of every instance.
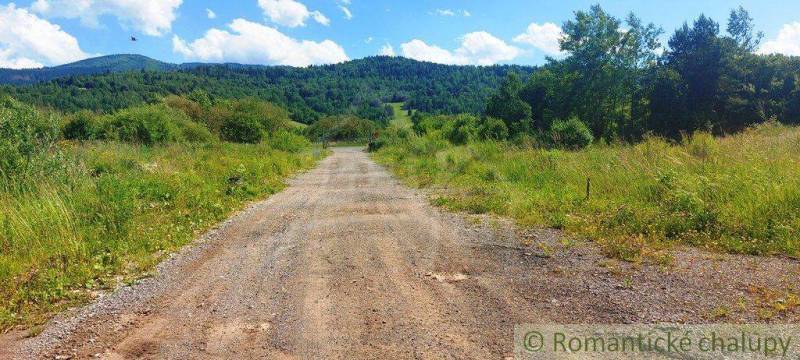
(348, 263)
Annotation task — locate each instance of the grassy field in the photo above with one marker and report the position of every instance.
(401, 118)
(111, 211)
(737, 194)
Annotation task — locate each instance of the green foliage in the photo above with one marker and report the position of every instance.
(342, 128)
(288, 141)
(240, 128)
(112, 211)
(492, 129)
(82, 125)
(461, 129)
(509, 107)
(360, 87)
(147, 125)
(26, 136)
(738, 193)
(571, 134)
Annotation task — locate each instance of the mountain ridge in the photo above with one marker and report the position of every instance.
(118, 63)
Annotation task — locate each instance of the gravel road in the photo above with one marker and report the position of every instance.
(348, 263)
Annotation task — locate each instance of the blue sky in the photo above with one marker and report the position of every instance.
(301, 32)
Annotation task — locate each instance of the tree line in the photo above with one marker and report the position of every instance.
(360, 87)
(620, 82)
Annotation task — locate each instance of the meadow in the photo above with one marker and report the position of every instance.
(78, 217)
(738, 193)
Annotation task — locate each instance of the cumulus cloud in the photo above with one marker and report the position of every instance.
(27, 41)
(787, 42)
(477, 48)
(152, 17)
(211, 14)
(386, 50)
(290, 13)
(254, 43)
(543, 37)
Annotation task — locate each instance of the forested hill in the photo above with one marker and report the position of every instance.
(359, 86)
(98, 65)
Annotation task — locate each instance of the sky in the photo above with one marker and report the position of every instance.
(35, 33)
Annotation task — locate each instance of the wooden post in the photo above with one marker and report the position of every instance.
(588, 187)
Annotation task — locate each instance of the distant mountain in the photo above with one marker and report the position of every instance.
(362, 86)
(93, 66)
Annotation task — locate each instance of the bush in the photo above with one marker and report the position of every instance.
(188, 107)
(288, 141)
(461, 129)
(492, 129)
(152, 124)
(26, 135)
(193, 132)
(571, 134)
(146, 125)
(240, 128)
(269, 116)
(81, 126)
(341, 128)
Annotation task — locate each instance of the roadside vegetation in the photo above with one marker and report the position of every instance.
(90, 201)
(633, 149)
(738, 193)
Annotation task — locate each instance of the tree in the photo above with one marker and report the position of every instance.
(696, 55)
(607, 63)
(507, 105)
(740, 27)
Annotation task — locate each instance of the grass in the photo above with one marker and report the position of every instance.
(738, 194)
(401, 118)
(112, 211)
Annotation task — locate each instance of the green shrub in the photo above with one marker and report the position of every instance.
(193, 132)
(240, 128)
(461, 129)
(26, 135)
(190, 108)
(80, 126)
(148, 125)
(571, 134)
(341, 128)
(288, 141)
(492, 129)
(269, 116)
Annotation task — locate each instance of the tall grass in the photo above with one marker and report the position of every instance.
(107, 212)
(738, 194)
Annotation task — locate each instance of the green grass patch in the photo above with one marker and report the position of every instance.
(109, 212)
(401, 117)
(737, 194)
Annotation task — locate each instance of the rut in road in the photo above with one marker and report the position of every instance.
(345, 262)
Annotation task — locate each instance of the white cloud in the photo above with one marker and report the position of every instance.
(445, 12)
(347, 14)
(449, 12)
(254, 43)
(477, 48)
(387, 50)
(27, 41)
(787, 42)
(543, 37)
(290, 13)
(211, 14)
(368, 39)
(152, 17)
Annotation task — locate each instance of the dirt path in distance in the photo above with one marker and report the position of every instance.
(348, 263)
